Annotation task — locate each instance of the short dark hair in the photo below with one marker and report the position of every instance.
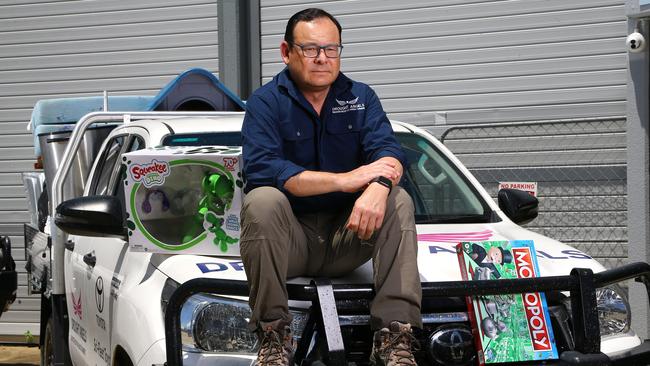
(307, 15)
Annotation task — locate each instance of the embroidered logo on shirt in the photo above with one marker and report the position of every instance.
(348, 105)
(344, 102)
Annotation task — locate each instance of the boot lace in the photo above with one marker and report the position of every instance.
(272, 351)
(399, 347)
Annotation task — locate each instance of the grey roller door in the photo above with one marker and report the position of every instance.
(51, 49)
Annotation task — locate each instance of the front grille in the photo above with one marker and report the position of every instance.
(357, 336)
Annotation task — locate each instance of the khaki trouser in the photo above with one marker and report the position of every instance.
(276, 245)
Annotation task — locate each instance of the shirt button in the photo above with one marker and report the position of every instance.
(298, 133)
(349, 127)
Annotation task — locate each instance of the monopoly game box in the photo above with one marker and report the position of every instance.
(510, 327)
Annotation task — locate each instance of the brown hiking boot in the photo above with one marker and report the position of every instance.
(277, 344)
(392, 346)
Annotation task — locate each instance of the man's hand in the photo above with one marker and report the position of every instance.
(368, 211)
(357, 179)
(311, 183)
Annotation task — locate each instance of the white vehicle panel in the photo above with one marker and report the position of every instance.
(138, 319)
(77, 306)
(133, 282)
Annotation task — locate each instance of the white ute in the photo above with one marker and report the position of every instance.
(116, 300)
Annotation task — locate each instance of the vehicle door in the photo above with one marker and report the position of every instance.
(98, 260)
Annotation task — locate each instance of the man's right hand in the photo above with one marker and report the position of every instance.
(358, 179)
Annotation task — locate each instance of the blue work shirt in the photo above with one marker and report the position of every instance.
(283, 136)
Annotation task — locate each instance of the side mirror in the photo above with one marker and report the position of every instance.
(518, 205)
(91, 216)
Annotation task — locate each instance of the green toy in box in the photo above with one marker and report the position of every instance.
(184, 199)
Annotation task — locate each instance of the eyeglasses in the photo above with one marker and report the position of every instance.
(313, 51)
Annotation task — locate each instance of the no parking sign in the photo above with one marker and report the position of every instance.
(530, 187)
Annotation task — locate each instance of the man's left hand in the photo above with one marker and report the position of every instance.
(368, 211)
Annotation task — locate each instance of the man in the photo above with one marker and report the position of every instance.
(322, 167)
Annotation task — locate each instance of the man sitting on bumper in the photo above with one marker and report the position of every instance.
(322, 166)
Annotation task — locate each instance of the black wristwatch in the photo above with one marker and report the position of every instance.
(384, 182)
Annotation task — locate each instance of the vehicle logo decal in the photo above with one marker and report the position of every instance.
(218, 267)
(99, 294)
(456, 237)
(452, 344)
(76, 306)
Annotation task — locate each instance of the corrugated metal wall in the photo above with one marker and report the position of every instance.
(51, 49)
(475, 60)
(445, 63)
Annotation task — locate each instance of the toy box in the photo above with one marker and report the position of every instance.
(512, 327)
(184, 199)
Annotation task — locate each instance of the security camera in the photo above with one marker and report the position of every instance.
(635, 42)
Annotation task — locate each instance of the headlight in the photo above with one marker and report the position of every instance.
(613, 310)
(218, 324)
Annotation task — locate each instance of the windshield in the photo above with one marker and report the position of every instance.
(441, 194)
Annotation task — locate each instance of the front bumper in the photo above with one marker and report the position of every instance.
(581, 283)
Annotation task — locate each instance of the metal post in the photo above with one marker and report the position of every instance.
(638, 183)
(330, 322)
(584, 311)
(239, 45)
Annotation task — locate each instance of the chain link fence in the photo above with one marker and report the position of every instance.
(579, 166)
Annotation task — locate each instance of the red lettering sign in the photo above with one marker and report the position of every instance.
(537, 323)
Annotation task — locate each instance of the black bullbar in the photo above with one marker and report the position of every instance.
(581, 283)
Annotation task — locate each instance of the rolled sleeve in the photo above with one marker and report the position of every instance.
(264, 161)
(378, 138)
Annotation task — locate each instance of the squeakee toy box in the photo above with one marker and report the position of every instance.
(184, 199)
(507, 327)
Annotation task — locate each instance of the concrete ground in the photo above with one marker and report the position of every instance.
(19, 356)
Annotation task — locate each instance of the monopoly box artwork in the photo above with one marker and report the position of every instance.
(184, 199)
(512, 327)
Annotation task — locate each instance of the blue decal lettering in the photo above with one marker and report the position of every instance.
(237, 266)
(434, 249)
(546, 255)
(572, 253)
(211, 267)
